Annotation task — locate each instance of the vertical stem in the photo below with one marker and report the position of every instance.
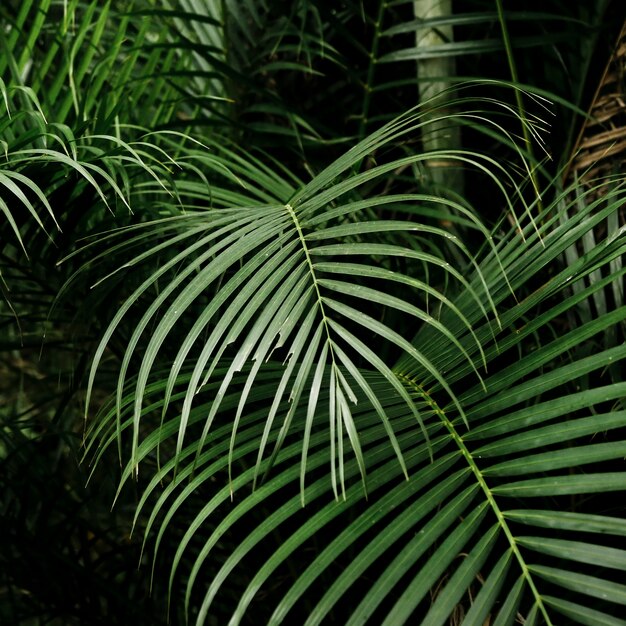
(440, 67)
(371, 70)
(518, 98)
(434, 76)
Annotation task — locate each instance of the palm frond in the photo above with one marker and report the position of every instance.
(524, 447)
(279, 288)
(342, 395)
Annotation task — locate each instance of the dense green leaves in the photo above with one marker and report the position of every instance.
(346, 390)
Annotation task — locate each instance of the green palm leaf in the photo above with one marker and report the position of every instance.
(365, 405)
(351, 400)
(498, 427)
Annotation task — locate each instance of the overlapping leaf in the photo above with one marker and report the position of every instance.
(534, 438)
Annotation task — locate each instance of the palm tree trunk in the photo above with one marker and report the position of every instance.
(434, 75)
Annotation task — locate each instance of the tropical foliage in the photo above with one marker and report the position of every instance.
(342, 313)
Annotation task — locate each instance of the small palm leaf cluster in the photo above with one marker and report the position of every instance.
(345, 392)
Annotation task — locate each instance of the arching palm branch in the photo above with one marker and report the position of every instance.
(344, 398)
